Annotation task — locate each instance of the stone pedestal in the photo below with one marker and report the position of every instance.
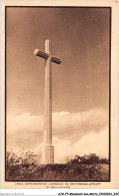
(48, 155)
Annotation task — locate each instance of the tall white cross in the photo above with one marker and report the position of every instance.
(48, 154)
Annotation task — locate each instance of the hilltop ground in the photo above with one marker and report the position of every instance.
(86, 168)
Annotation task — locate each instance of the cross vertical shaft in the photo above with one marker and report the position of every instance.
(48, 148)
(48, 97)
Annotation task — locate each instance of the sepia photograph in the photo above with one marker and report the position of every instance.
(57, 108)
(57, 89)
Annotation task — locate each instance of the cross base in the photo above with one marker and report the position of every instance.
(48, 155)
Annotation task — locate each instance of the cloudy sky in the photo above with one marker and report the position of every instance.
(80, 85)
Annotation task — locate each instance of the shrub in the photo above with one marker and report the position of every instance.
(20, 166)
(25, 167)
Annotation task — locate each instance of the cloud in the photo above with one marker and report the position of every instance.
(91, 143)
(73, 133)
(24, 131)
(75, 125)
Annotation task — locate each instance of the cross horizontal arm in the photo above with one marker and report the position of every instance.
(38, 52)
(55, 60)
(44, 55)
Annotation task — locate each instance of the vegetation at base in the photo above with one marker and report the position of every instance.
(81, 168)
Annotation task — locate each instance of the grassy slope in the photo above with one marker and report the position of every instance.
(86, 168)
